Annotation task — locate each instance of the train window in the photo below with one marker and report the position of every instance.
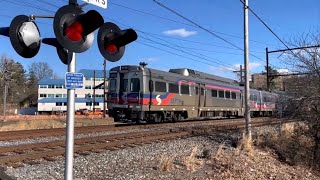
(173, 88)
(221, 94)
(113, 85)
(185, 89)
(160, 86)
(135, 85)
(228, 94)
(214, 93)
(202, 91)
(197, 90)
(233, 95)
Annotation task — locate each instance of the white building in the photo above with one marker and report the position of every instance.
(52, 94)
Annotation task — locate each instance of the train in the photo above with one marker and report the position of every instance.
(139, 93)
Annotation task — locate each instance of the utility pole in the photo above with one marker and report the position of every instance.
(246, 71)
(104, 87)
(267, 60)
(5, 100)
(94, 90)
(241, 75)
(283, 50)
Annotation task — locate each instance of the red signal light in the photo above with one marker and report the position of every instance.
(111, 48)
(74, 31)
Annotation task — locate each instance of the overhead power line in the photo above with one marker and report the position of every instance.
(164, 50)
(174, 46)
(200, 56)
(270, 30)
(205, 29)
(175, 21)
(23, 3)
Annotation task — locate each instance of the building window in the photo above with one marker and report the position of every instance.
(228, 94)
(50, 95)
(96, 103)
(43, 86)
(51, 86)
(233, 95)
(173, 88)
(88, 103)
(58, 95)
(214, 93)
(160, 86)
(99, 79)
(221, 94)
(59, 104)
(59, 86)
(64, 95)
(43, 95)
(87, 87)
(88, 78)
(184, 89)
(135, 85)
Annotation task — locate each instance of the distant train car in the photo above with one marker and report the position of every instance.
(141, 93)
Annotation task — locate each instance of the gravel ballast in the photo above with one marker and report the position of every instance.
(146, 162)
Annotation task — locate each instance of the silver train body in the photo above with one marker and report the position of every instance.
(141, 93)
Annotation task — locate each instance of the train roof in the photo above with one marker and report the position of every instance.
(178, 73)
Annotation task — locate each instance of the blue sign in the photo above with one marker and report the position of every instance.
(74, 80)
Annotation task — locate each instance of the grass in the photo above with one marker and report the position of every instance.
(166, 163)
(192, 162)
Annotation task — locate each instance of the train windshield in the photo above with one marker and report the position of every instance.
(113, 85)
(135, 85)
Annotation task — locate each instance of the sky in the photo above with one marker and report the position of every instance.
(167, 41)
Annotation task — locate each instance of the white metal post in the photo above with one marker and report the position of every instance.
(68, 174)
(246, 71)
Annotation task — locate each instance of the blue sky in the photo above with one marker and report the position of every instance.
(175, 42)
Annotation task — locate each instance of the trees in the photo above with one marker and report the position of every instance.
(304, 90)
(13, 74)
(22, 88)
(39, 70)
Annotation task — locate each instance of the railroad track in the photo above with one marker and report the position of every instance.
(14, 155)
(38, 133)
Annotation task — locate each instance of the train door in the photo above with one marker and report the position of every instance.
(123, 88)
(134, 89)
(200, 98)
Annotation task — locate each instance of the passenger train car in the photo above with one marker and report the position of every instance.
(141, 93)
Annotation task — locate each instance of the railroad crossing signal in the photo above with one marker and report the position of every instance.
(24, 36)
(74, 28)
(112, 41)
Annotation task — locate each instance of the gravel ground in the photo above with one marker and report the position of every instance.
(205, 157)
(56, 138)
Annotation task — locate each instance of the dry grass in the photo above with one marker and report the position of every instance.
(245, 145)
(289, 142)
(192, 162)
(219, 151)
(166, 163)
